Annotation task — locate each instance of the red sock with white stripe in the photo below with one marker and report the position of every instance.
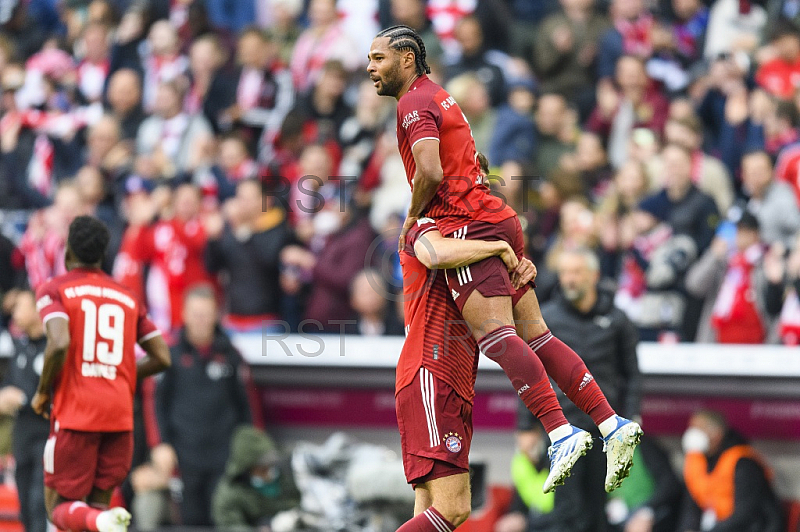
(428, 521)
(572, 376)
(75, 515)
(526, 373)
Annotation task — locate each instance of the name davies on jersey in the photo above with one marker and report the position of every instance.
(95, 369)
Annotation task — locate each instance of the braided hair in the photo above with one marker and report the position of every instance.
(403, 38)
(88, 239)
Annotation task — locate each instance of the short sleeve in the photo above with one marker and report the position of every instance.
(49, 304)
(419, 119)
(145, 329)
(423, 226)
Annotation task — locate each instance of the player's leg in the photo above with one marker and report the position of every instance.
(449, 508)
(113, 464)
(620, 435)
(422, 498)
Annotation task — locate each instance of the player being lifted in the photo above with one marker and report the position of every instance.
(92, 325)
(441, 165)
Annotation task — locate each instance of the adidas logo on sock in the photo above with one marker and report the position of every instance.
(587, 378)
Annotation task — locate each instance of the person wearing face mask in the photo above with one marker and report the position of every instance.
(258, 483)
(728, 483)
(585, 318)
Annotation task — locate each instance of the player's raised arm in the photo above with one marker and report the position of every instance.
(437, 252)
(157, 359)
(55, 352)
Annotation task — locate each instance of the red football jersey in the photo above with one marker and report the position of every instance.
(437, 337)
(787, 167)
(94, 390)
(426, 111)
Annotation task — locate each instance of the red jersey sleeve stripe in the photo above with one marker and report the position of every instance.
(424, 138)
(57, 314)
(146, 337)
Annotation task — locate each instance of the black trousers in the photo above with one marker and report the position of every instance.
(29, 476)
(198, 489)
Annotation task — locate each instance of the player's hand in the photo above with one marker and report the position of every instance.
(41, 404)
(523, 274)
(509, 257)
(408, 224)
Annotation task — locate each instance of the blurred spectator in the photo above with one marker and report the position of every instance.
(584, 315)
(323, 109)
(689, 30)
(199, 403)
(323, 41)
(283, 15)
(370, 299)
(777, 76)
(566, 49)
(734, 26)
(173, 248)
(45, 238)
(630, 35)
(30, 430)
(169, 137)
(552, 122)
(732, 286)
(787, 167)
(591, 162)
(529, 507)
(729, 484)
(92, 191)
(162, 63)
(412, 13)
(207, 56)
(651, 288)
(247, 247)
(255, 98)
(361, 133)
(772, 201)
(347, 241)
(637, 105)
(576, 229)
(473, 99)
(783, 288)
(649, 499)
(232, 165)
(95, 63)
(230, 18)
(12, 268)
(514, 135)
(124, 95)
(708, 173)
(257, 485)
(473, 58)
(19, 27)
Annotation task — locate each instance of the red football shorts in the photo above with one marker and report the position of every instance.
(76, 461)
(435, 429)
(490, 276)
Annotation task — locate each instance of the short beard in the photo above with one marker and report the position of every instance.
(391, 83)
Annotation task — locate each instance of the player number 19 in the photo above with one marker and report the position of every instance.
(108, 322)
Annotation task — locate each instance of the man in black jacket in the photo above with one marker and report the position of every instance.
(248, 249)
(587, 320)
(200, 401)
(30, 429)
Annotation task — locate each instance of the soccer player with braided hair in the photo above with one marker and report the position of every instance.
(90, 371)
(449, 191)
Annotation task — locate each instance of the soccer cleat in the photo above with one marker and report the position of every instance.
(563, 455)
(619, 447)
(113, 520)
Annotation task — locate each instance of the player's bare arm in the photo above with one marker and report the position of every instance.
(426, 181)
(437, 252)
(157, 358)
(55, 352)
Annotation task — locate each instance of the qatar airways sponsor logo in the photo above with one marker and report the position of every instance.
(410, 118)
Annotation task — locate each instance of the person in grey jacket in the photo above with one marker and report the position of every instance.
(585, 318)
(772, 202)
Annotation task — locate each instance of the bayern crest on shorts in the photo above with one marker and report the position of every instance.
(452, 441)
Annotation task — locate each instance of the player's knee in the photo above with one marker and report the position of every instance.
(457, 511)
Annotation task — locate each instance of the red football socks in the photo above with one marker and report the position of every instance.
(527, 374)
(572, 376)
(428, 521)
(75, 516)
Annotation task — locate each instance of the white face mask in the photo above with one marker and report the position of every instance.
(695, 441)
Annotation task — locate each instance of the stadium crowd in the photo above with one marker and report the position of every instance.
(241, 146)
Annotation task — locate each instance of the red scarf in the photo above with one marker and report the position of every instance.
(636, 35)
(735, 316)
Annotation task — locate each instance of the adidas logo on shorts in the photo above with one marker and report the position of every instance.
(454, 293)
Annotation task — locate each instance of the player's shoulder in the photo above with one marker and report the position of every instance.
(420, 95)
